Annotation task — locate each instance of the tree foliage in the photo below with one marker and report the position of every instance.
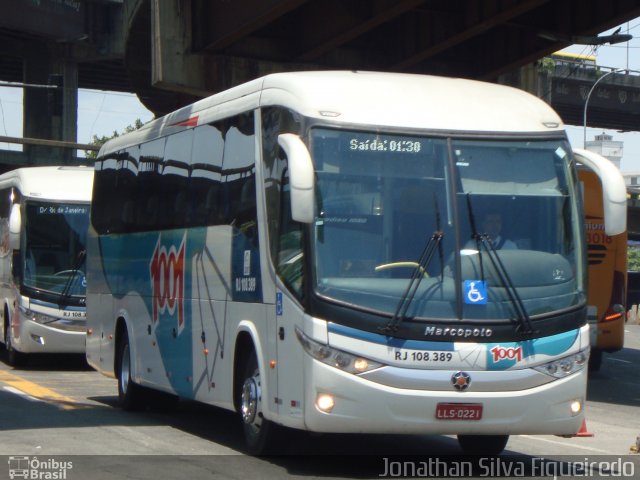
(546, 65)
(99, 141)
(633, 259)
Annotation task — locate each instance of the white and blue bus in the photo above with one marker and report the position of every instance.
(311, 250)
(44, 217)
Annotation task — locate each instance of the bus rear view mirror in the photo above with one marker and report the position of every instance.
(614, 190)
(15, 224)
(301, 177)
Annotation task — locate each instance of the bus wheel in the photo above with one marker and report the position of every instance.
(595, 360)
(14, 357)
(130, 394)
(483, 444)
(259, 433)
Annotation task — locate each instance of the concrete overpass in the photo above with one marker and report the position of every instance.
(172, 52)
(614, 103)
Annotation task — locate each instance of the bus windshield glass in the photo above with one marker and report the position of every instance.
(502, 211)
(55, 243)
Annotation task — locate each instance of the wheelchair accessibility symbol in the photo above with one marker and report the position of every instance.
(475, 292)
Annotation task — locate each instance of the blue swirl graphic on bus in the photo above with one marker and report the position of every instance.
(157, 268)
(502, 356)
(170, 273)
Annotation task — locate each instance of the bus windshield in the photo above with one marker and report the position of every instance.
(503, 213)
(55, 243)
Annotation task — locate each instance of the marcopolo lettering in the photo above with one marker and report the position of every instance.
(431, 331)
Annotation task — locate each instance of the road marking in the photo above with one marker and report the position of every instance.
(37, 391)
(618, 360)
(541, 439)
(15, 391)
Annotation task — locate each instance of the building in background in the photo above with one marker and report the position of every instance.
(632, 180)
(605, 145)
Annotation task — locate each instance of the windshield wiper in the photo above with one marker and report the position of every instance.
(524, 325)
(73, 273)
(435, 241)
(414, 282)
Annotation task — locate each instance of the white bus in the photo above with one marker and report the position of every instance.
(44, 216)
(309, 250)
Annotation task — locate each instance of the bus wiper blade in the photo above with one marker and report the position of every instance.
(524, 327)
(414, 282)
(439, 229)
(73, 273)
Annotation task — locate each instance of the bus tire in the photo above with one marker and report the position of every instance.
(14, 357)
(130, 394)
(483, 444)
(595, 360)
(260, 434)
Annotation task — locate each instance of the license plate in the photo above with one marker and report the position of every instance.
(459, 411)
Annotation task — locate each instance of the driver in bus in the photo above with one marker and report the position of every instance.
(491, 226)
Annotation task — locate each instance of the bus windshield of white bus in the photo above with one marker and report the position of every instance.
(54, 250)
(470, 220)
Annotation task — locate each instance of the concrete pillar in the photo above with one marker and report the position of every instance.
(40, 121)
(173, 67)
(36, 119)
(66, 125)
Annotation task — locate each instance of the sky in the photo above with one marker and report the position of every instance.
(101, 112)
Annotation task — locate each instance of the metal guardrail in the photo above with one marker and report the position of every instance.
(592, 73)
(49, 143)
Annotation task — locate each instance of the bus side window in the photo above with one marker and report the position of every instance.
(150, 216)
(246, 214)
(208, 210)
(128, 215)
(182, 209)
(16, 267)
(285, 235)
(290, 259)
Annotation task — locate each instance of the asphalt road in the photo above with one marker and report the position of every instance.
(57, 409)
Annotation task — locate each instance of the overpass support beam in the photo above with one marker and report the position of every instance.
(174, 66)
(35, 117)
(42, 118)
(66, 121)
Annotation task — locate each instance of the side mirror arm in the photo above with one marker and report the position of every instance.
(301, 177)
(15, 225)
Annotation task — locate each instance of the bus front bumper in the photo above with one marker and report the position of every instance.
(35, 337)
(362, 406)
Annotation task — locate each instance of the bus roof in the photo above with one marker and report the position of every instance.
(374, 99)
(63, 183)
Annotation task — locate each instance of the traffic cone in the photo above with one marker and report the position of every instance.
(583, 432)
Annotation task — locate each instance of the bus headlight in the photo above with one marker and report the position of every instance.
(565, 366)
(575, 407)
(334, 357)
(40, 318)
